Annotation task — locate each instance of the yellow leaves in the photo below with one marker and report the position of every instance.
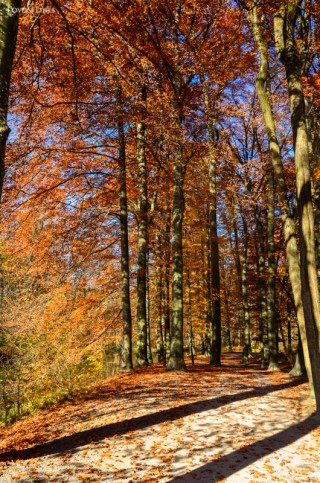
(269, 467)
(106, 455)
(166, 459)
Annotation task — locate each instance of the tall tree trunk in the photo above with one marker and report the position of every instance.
(167, 317)
(160, 315)
(288, 222)
(299, 367)
(149, 346)
(262, 289)
(189, 309)
(316, 187)
(176, 360)
(206, 274)
(228, 321)
(9, 16)
(142, 342)
(244, 291)
(316, 204)
(285, 24)
(215, 316)
(126, 356)
(272, 271)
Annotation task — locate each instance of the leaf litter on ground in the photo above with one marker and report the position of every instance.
(232, 423)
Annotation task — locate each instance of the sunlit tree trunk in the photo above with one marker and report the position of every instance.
(148, 303)
(226, 295)
(244, 291)
(142, 339)
(299, 367)
(167, 313)
(315, 152)
(316, 203)
(176, 360)
(271, 284)
(160, 315)
(189, 315)
(9, 15)
(228, 326)
(285, 27)
(262, 288)
(288, 222)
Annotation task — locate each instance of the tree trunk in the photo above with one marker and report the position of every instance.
(215, 315)
(189, 306)
(228, 322)
(176, 360)
(288, 222)
(167, 313)
(9, 17)
(160, 317)
(285, 24)
(262, 289)
(316, 204)
(142, 343)
(126, 356)
(271, 284)
(149, 347)
(244, 291)
(299, 368)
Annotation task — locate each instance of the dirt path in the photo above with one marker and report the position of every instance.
(233, 424)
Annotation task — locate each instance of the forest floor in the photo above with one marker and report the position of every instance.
(235, 424)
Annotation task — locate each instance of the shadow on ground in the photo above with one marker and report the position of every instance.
(70, 443)
(245, 456)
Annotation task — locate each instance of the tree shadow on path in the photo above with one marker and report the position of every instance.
(72, 442)
(227, 465)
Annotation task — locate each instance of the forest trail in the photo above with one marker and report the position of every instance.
(234, 424)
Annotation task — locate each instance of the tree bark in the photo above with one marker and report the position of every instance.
(262, 289)
(167, 318)
(215, 315)
(160, 316)
(244, 291)
(285, 25)
(189, 309)
(142, 343)
(149, 346)
(271, 284)
(176, 359)
(299, 367)
(288, 222)
(9, 17)
(126, 356)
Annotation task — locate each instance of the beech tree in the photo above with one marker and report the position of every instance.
(9, 11)
(149, 201)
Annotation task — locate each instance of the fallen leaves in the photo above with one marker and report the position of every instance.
(205, 422)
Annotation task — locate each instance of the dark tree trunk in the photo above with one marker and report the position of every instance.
(126, 358)
(9, 16)
(215, 315)
(142, 336)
